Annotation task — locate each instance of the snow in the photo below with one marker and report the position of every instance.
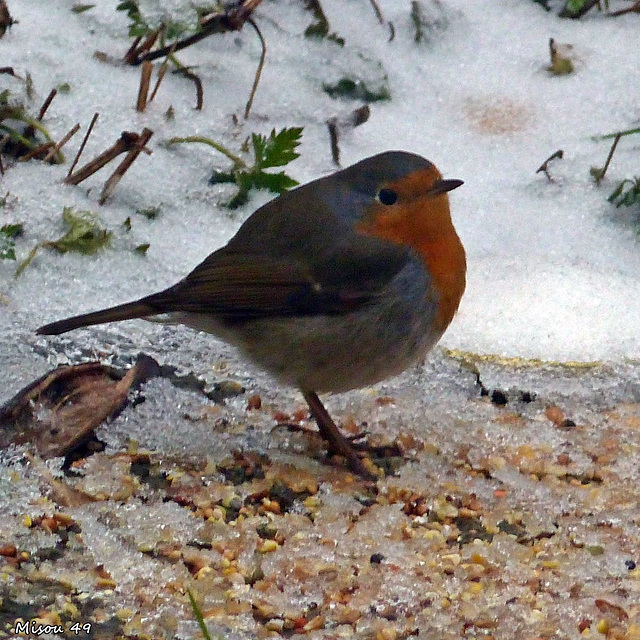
(553, 267)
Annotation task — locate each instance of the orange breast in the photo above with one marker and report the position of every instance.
(423, 223)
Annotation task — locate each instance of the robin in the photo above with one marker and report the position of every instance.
(333, 286)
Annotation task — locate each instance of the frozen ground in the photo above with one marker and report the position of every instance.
(553, 274)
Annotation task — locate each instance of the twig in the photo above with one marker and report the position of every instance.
(377, 11)
(354, 119)
(130, 56)
(121, 169)
(161, 73)
(126, 142)
(611, 152)
(635, 8)
(9, 71)
(133, 54)
(256, 80)
(84, 142)
(216, 22)
(334, 137)
(187, 73)
(36, 151)
(30, 130)
(62, 142)
(392, 32)
(3, 141)
(544, 167)
(143, 90)
(46, 103)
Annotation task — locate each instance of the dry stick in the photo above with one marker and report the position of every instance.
(46, 103)
(84, 142)
(611, 152)
(354, 119)
(3, 141)
(143, 90)
(332, 124)
(218, 23)
(37, 151)
(378, 13)
(130, 56)
(633, 9)
(5, 138)
(116, 176)
(161, 73)
(30, 130)
(392, 32)
(62, 142)
(192, 76)
(256, 80)
(544, 167)
(126, 142)
(133, 54)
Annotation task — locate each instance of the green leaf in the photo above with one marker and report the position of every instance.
(142, 248)
(150, 213)
(278, 149)
(81, 8)
(356, 90)
(8, 233)
(617, 191)
(239, 199)
(12, 230)
(274, 182)
(627, 198)
(85, 234)
(222, 177)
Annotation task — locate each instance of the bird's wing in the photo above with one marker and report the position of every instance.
(239, 286)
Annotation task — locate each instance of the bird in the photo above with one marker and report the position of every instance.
(335, 285)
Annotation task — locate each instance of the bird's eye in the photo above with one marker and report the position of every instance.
(387, 196)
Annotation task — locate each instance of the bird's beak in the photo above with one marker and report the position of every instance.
(442, 186)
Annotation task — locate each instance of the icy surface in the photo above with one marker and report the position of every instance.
(553, 274)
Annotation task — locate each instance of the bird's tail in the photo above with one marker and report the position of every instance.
(127, 311)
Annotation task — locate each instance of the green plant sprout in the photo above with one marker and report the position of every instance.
(8, 234)
(139, 27)
(356, 90)
(85, 235)
(629, 197)
(197, 612)
(21, 129)
(274, 150)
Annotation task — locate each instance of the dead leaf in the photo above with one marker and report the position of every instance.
(58, 412)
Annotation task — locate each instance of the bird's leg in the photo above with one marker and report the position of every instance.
(337, 443)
